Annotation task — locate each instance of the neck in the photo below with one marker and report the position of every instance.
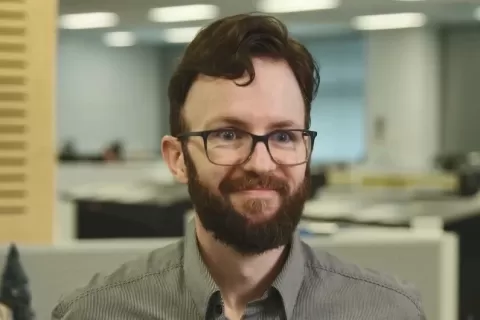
(240, 278)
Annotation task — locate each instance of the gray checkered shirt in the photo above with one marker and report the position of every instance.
(172, 283)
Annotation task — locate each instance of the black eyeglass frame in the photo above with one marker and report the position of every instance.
(255, 139)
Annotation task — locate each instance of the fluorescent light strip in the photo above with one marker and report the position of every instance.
(389, 21)
(180, 35)
(119, 39)
(90, 20)
(183, 13)
(282, 6)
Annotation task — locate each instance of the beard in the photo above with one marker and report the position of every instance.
(234, 229)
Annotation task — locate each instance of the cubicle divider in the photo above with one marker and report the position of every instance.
(428, 260)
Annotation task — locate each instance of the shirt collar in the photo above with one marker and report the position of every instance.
(201, 285)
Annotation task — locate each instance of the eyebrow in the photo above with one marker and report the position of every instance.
(226, 121)
(238, 123)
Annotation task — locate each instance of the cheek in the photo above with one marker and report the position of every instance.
(197, 156)
(296, 175)
(209, 175)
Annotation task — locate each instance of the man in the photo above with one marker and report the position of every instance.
(240, 111)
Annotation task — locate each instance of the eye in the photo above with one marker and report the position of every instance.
(227, 134)
(283, 136)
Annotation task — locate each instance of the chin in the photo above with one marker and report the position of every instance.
(259, 216)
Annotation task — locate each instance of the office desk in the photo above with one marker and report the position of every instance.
(100, 219)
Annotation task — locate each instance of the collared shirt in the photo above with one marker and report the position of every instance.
(173, 283)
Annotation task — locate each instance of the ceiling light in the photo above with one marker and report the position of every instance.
(476, 13)
(281, 6)
(90, 20)
(389, 21)
(180, 35)
(183, 13)
(119, 39)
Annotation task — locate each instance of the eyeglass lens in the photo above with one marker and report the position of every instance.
(230, 147)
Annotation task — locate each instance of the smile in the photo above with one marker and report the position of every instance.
(258, 192)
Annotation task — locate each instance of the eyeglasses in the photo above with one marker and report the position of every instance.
(229, 147)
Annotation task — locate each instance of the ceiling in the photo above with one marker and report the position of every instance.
(306, 24)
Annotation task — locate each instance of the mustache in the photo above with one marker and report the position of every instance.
(254, 182)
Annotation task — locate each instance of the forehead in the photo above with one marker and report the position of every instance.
(272, 99)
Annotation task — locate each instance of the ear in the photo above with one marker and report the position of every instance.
(173, 157)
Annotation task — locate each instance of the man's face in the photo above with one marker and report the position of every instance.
(254, 206)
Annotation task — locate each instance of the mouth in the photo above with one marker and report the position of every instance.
(258, 192)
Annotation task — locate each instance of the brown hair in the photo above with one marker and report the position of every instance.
(225, 48)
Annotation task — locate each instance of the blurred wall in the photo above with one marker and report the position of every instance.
(403, 98)
(338, 113)
(170, 57)
(461, 90)
(106, 93)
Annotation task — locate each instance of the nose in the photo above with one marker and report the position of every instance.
(260, 161)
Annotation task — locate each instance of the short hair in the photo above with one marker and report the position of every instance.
(225, 49)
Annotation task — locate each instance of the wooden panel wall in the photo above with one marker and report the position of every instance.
(27, 155)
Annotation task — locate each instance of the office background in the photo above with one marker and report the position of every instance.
(85, 181)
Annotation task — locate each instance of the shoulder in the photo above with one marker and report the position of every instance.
(161, 267)
(363, 286)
